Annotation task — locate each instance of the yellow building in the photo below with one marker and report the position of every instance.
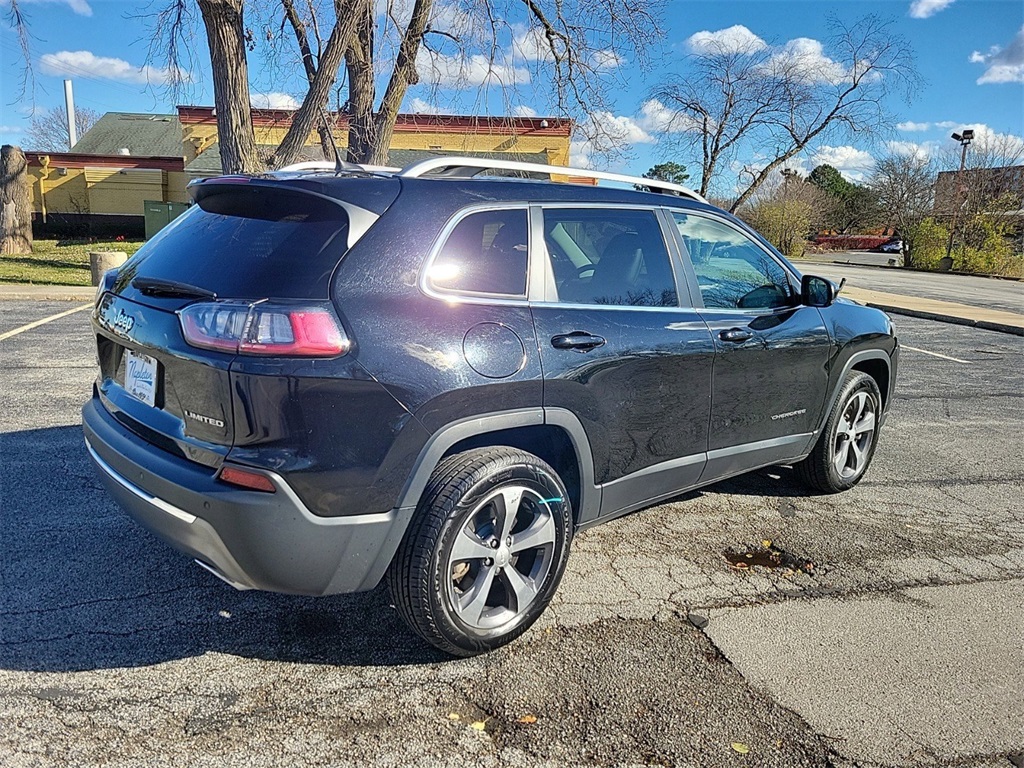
(128, 159)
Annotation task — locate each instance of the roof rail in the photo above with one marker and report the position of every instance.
(327, 165)
(467, 167)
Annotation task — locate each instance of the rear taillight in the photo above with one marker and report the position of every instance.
(265, 328)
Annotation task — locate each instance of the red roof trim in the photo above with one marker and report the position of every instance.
(79, 160)
(405, 123)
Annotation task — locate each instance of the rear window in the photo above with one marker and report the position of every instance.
(251, 243)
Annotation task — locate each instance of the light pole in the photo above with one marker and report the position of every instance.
(965, 140)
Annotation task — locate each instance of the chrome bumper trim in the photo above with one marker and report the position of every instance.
(160, 504)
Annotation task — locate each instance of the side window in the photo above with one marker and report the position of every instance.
(732, 270)
(609, 256)
(485, 253)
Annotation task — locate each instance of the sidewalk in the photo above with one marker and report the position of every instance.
(943, 311)
(23, 291)
(930, 309)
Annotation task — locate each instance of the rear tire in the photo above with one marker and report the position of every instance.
(485, 551)
(847, 443)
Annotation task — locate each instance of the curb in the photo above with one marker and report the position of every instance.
(1016, 330)
(898, 268)
(47, 293)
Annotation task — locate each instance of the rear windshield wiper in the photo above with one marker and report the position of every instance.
(154, 286)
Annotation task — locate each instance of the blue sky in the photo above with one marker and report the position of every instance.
(970, 53)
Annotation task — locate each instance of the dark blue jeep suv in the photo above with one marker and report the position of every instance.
(316, 379)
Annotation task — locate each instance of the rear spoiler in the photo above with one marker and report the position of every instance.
(359, 219)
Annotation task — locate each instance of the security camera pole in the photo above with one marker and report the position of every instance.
(965, 140)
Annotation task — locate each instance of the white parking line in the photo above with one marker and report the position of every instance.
(44, 321)
(936, 354)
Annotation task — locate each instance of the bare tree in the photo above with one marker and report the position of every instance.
(904, 183)
(48, 131)
(787, 210)
(572, 46)
(775, 101)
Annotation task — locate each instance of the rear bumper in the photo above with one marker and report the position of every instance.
(252, 540)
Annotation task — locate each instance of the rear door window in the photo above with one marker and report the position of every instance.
(486, 253)
(250, 243)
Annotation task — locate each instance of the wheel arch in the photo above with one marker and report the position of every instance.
(554, 435)
(875, 363)
(878, 369)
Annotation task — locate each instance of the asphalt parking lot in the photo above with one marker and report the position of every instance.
(894, 637)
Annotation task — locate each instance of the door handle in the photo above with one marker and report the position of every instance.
(578, 341)
(736, 335)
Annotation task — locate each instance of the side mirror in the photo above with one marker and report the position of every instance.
(817, 291)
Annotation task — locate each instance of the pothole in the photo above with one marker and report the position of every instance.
(767, 555)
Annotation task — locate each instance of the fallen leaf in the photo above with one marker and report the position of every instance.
(766, 543)
(479, 725)
(740, 747)
(454, 716)
(528, 719)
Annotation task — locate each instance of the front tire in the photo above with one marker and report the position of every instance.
(485, 551)
(847, 443)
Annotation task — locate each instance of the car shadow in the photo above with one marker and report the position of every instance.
(82, 586)
(778, 481)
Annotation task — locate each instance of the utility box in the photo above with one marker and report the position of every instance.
(159, 214)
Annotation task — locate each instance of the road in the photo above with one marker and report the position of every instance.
(899, 646)
(987, 292)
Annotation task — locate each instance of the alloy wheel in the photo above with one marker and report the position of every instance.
(501, 556)
(854, 435)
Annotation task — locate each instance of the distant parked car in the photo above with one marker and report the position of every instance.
(893, 245)
(315, 380)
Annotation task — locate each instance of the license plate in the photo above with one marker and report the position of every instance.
(140, 376)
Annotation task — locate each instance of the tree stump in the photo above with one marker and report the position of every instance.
(101, 261)
(15, 201)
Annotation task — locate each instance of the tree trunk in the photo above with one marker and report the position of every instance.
(225, 31)
(15, 202)
(403, 75)
(361, 95)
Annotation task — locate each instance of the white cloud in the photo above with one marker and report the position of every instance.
(735, 39)
(4, 129)
(605, 60)
(456, 71)
(805, 58)
(81, 7)
(1005, 65)
(923, 150)
(910, 125)
(524, 111)
(423, 107)
(853, 163)
(922, 9)
(273, 100)
(987, 139)
(581, 154)
(531, 44)
(606, 131)
(657, 118)
(620, 129)
(88, 64)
